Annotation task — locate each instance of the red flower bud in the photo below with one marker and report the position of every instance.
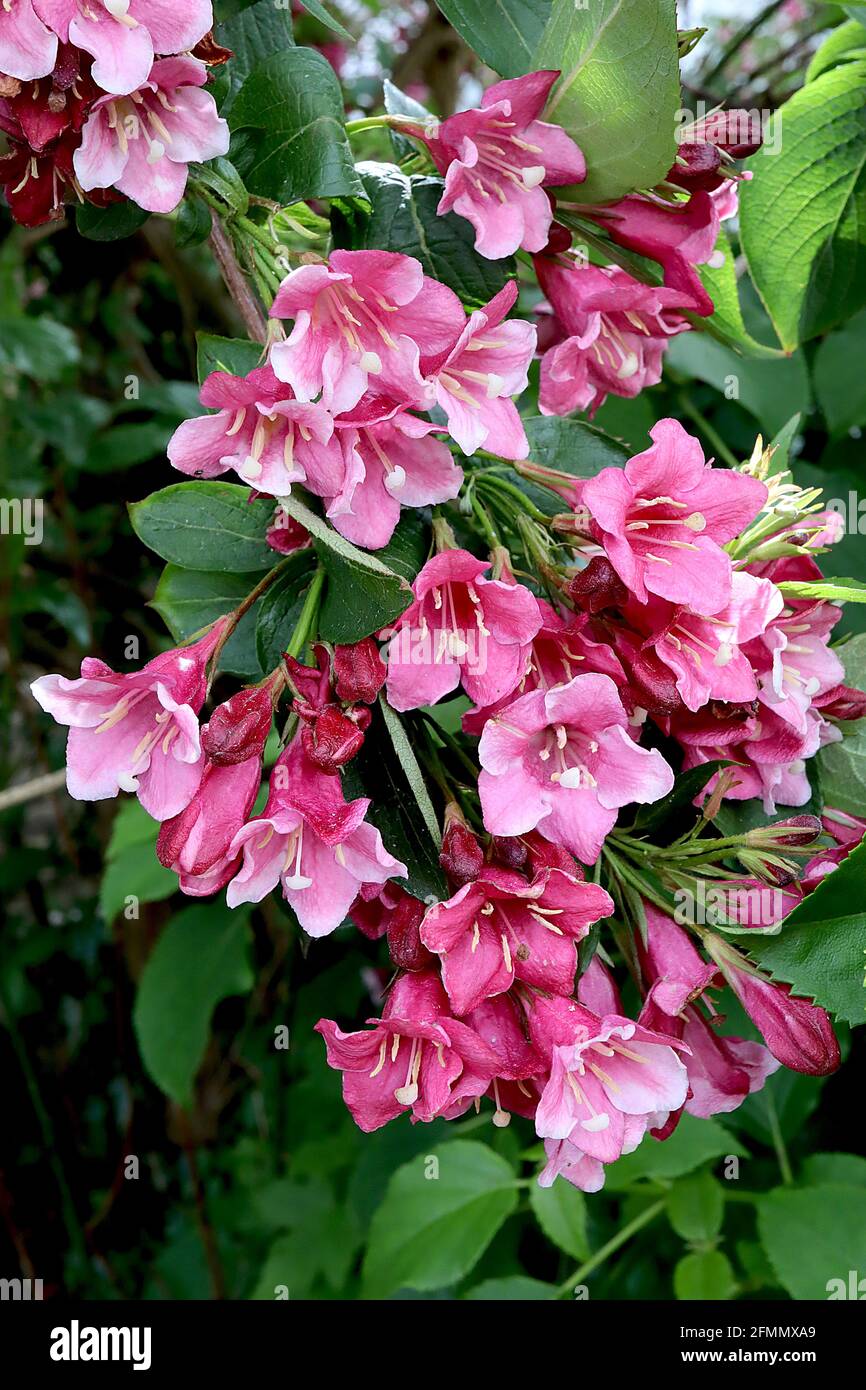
(461, 855)
(311, 683)
(360, 671)
(842, 702)
(598, 586)
(510, 852)
(331, 739)
(408, 952)
(238, 729)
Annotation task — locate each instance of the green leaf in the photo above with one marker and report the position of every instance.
(403, 218)
(814, 1235)
(726, 322)
(696, 1207)
(294, 99)
(206, 526)
(840, 384)
(132, 869)
(194, 221)
(840, 475)
(257, 33)
(803, 213)
(131, 826)
(411, 770)
(834, 590)
(514, 1288)
(365, 591)
(235, 355)
(693, 1143)
(113, 223)
(820, 949)
(848, 1169)
(280, 607)
(318, 11)
(504, 33)
(704, 1275)
(685, 789)
(619, 90)
(560, 1211)
(39, 348)
(188, 600)
(124, 446)
(200, 959)
(772, 391)
(842, 44)
(397, 103)
(431, 1230)
(572, 446)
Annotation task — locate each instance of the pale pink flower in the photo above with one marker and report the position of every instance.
(28, 50)
(196, 843)
(563, 760)
(497, 161)
(613, 332)
(124, 35)
(663, 519)
(314, 842)
(137, 732)
(362, 321)
(270, 439)
(462, 628)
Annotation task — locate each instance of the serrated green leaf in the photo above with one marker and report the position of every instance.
(430, 1231)
(815, 1235)
(726, 322)
(257, 33)
(365, 591)
(693, 1143)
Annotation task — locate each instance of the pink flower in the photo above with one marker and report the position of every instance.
(461, 627)
(722, 1070)
(123, 35)
(678, 235)
(143, 144)
(238, 729)
(499, 1023)
(796, 1031)
(614, 332)
(610, 1079)
(28, 50)
(313, 841)
(497, 160)
(390, 461)
(363, 314)
(705, 654)
(134, 733)
(196, 843)
(500, 928)
(483, 370)
(563, 760)
(270, 439)
(770, 755)
(415, 1058)
(793, 660)
(672, 969)
(663, 519)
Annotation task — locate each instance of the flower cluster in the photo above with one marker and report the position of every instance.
(103, 95)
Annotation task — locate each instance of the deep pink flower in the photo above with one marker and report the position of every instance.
(28, 49)
(285, 535)
(143, 144)
(706, 654)
(515, 1087)
(270, 439)
(484, 369)
(415, 1058)
(673, 970)
(562, 760)
(461, 855)
(391, 460)
(238, 728)
(137, 732)
(610, 1079)
(196, 843)
(770, 754)
(613, 335)
(722, 1070)
(500, 928)
(123, 35)
(497, 160)
(796, 1031)
(461, 627)
(678, 235)
(313, 841)
(332, 737)
(663, 519)
(363, 320)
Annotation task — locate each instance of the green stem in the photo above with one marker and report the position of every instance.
(778, 1139)
(374, 123)
(308, 615)
(621, 1238)
(708, 430)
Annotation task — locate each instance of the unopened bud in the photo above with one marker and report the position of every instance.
(238, 729)
(408, 952)
(598, 586)
(331, 739)
(360, 671)
(461, 855)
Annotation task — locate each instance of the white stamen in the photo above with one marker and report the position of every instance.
(371, 362)
(572, 777)
(396, 479)
(533, 175)
(597, 1123)
(156, 151)
(127, 782)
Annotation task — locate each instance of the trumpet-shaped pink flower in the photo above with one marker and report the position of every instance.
(706, 654)
(793, 660)
(485, 368)
(122, 36)
(143, 143)
(663, 519)
(28, 49)
(390, 461)
(678, 235)
(610, 1079)
(461, 627)
(613, 332)
(497, 161)
(314, 842)
(270, 439)
(672, 969)
(362, 321)
(196, 843)
(515, 1087)
(134, 733)
(722, 1070)
(770, 755)
(500, 928)
(563, 760)
(415, 1058)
